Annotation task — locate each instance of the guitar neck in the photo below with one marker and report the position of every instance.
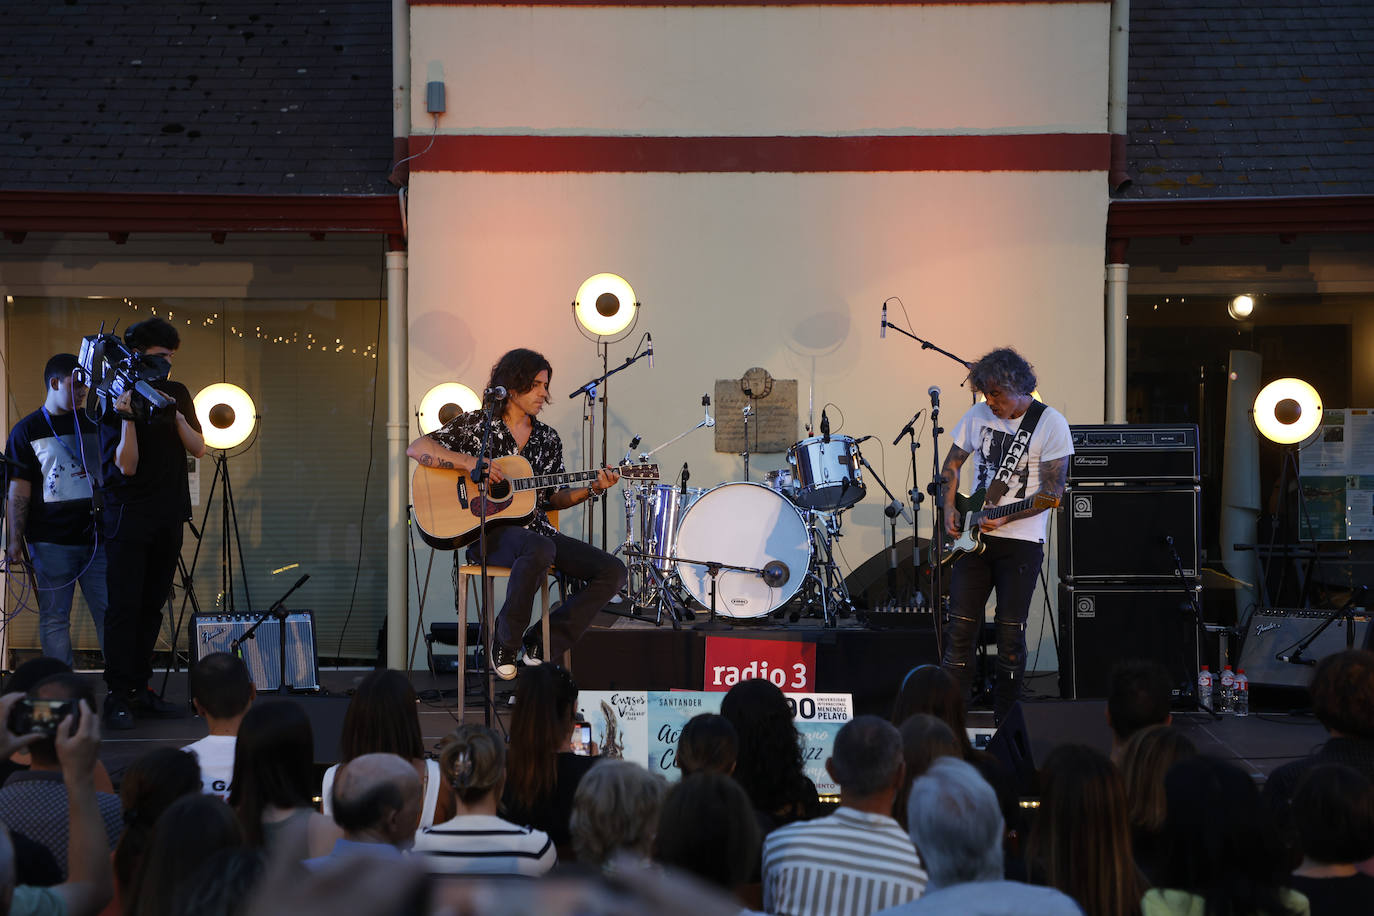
(544, 481)
(1008, 509)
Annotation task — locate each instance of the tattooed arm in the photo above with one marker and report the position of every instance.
(949, 485)
(433, 455)
(1053, 477)
(17, 517)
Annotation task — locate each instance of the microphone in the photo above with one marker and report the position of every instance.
(686, 476)
(883, 332)
(825, 427)
(1296, 659)
(910, 423)
(709, 420)
(496, 391)
(630, 451)
(776, 573)
(934, 392)
(650, 339)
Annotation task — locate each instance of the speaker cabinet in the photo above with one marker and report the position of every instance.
(1272, 632)
(1034, 728)
(1100, 625)
(262, 653)
(1121, 534)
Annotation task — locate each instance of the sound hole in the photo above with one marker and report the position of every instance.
(498, 490)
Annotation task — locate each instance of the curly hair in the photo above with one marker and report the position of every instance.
(516, 369)
(769, 765)
(1343, 693)
(1003, 368)
(152, 332)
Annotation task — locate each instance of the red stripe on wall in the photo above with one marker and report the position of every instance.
(980, 153)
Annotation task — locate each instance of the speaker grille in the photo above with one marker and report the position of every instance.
(216, 633)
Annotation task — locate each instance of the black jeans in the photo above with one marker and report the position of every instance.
(529, 556)
(1010, 567)
(141, 557)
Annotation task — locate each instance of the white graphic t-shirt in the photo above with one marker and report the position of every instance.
(986, 439)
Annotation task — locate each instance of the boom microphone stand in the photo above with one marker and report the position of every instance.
(278, 610)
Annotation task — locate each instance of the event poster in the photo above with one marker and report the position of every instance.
(618, 720)
(1337, 472)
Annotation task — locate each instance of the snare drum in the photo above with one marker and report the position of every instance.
(828, 473)
(743, 524)
(664, 506)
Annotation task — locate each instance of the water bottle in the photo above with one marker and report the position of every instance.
(1242, 707)
(1228, 691)
(1204, 688)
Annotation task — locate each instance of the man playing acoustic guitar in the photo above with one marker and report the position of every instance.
(528, 550)
(1022, 451)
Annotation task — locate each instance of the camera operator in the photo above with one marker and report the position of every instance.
(147, 499)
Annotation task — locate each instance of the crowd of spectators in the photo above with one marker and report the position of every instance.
(523, 824)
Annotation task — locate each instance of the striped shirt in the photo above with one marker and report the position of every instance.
(479, 844)
(847, 864)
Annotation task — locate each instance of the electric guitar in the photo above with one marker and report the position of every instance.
(970, 539)
(448, 504)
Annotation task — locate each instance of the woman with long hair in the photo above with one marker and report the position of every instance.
(769, 763)
(191, 830)
(1223, 853)
(924, 739)
(1081, 841)
(1146, 756)
(475, 841)
(383, 718)
(273, 785)
(542, 772)
(150, 785)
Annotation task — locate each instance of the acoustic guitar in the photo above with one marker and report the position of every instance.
(448, 504)
(970, 539)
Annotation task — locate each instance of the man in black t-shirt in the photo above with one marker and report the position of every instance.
(147, 499)
(50, 508)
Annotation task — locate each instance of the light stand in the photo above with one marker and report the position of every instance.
(605, 311)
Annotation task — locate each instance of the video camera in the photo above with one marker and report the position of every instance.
(111, 368)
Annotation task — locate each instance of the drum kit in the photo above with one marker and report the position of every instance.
(745, 550)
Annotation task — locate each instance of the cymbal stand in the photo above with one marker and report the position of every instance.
(895, 508)
(823, 575)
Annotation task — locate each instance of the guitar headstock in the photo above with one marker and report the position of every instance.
(638, 472)
(1045, 501)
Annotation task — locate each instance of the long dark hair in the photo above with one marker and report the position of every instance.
(273, 759)
(932, 690)
(193, 829)
(1081, 840)
(769, 765)
(150, 785)
(545, 701)
(382, 718)
(1236, 869)
(516, 369)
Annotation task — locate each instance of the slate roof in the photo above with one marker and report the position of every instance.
(1250, 98)
(237, 97)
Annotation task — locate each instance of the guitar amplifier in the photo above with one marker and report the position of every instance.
(1272, 632)
(1121, 533)
(1144, 453)
(1099, 625)
(216, 632)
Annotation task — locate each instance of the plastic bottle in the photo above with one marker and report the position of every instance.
(1204, 688)
(1228, 691)
(1242, 704)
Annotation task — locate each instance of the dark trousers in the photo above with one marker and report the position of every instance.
(141, 559)
(529, 556)
(1010, 567)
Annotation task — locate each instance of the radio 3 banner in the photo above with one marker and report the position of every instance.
(788, 663)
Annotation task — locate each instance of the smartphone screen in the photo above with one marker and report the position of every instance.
(582, 739)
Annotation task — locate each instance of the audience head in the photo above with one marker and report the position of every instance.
(382, 718)
(545, 703)
(867, 757)
(221, 686)
(1145, 758)
(1333, 810)
(33, 671)
(150, 785)
(933, 690)
(615, 808)
(378, 796)
(707, 828)
(473, 761)
(152, 332)
(1343, 693)
(924, 740)
(273, 760)
(188, 833)
(1137, 696)
(63, 685)
(707, 742)
(955, 824)
(1221, 842)
(221, 885)
(769, 765)
(1081, 842)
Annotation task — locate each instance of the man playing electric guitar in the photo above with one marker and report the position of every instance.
(1021, 450)
(530, 550)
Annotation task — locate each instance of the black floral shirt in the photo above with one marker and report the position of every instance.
(544, 452)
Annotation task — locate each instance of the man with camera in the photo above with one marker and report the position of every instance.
(55, 458)
(147, 499)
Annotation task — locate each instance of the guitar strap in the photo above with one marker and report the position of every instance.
(1020, 446)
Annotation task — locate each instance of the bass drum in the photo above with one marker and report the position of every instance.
(743, 524)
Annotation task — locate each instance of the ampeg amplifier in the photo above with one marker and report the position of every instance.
(1272, 632)
(1123, 533)
(216, 633)
(1134, 452)
(1100, 625)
